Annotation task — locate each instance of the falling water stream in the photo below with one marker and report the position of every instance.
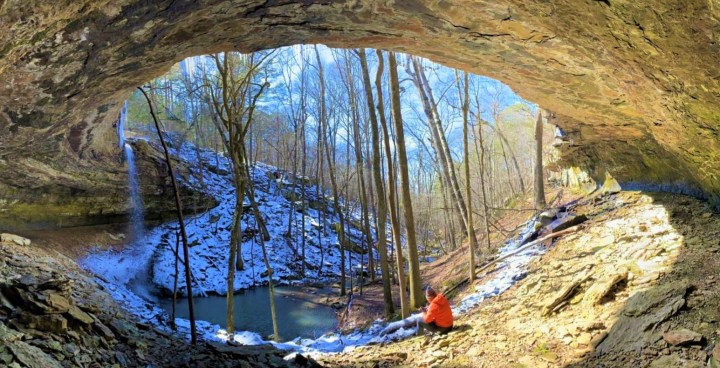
(121, 124)
(137, 226)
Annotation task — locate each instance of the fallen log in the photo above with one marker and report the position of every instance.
(530, 244)
(522, 248)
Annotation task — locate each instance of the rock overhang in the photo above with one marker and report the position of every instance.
(636, 88)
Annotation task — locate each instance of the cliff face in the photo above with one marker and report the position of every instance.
(636, 87)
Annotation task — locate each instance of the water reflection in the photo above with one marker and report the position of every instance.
(296, 317)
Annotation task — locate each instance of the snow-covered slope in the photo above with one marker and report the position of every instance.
(209, 233)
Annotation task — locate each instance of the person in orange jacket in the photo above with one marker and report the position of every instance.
(437, 317)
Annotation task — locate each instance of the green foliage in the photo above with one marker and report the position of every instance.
(541, 349)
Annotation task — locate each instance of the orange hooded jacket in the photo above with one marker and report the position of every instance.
(439, 312)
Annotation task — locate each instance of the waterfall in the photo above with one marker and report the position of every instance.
(186, 70)
(137, 225)
(121, 124)
(138, 273)
(136, 206)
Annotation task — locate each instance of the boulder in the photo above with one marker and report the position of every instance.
(610, 185)
(8, 335)
(585, 338)
(31, 356)
(600, 288)
(682, 337)
(53, 323)
(633, 329)
(59, 303)
(565, 292)
(546, 217)
(12, 238)
(673, 360)
(80, 316)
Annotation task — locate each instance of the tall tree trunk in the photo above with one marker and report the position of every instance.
(235, 257)
(359, 159)
(320, 192)
(235, 235)
(450, 165)
(539, 181)
(449, 233)
(181, 221)
(331, 172)
(394, 218)
(417, 298)
(173, 323)
(479, 140)
(234, 105)
(472, 240)
(346, 208)
(439, 142)
(379, 189)
(260, 222)
(303, 184)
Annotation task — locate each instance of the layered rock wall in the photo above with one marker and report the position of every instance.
(636, 87)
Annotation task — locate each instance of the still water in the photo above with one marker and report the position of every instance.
(296, 317)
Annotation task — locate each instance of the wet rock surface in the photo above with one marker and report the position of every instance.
(641, 271)
(46, 197)
(53, 315)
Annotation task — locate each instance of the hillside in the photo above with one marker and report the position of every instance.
(620, 292)
(209, 234)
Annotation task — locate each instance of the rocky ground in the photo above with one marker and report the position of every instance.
(636, 286)
(52, 314)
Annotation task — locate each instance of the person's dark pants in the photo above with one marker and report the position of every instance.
(432, 327)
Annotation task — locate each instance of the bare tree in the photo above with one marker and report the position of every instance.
(417, 298)
(394, 217)
(464, 96)
(234, 102)
(539, 180)
(181, 220)
(379, 188)
(357, 143)
(331, 171)
(438, 139)
(479, 141)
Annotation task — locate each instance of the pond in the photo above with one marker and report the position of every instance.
(296, 317)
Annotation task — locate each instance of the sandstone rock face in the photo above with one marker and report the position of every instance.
(41, 196)
(635, 87)
(19, 240)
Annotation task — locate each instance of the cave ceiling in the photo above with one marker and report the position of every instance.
(635, 86)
